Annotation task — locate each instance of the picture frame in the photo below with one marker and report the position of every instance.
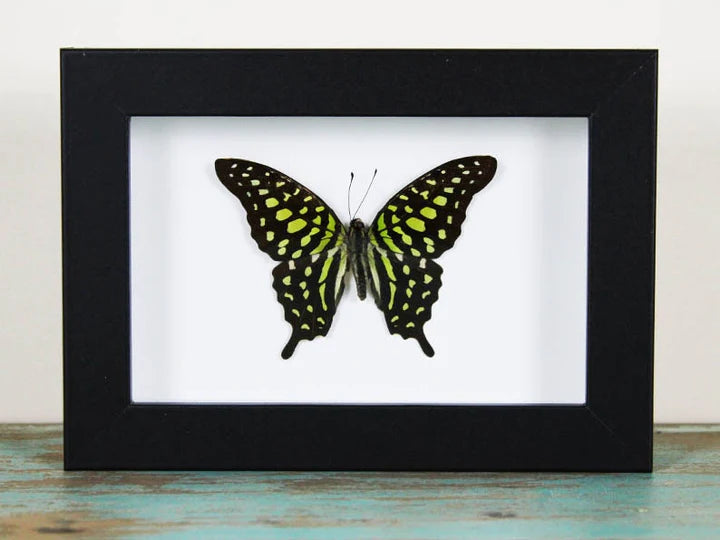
(103, 90)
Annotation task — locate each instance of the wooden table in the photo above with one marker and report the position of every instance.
(681, 499)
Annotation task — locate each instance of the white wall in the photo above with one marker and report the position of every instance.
(688, 290)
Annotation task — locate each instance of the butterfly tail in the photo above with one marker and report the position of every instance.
(289, 349)
(424, 344)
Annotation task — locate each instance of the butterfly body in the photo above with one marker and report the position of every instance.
(393, 257)
(357, 251)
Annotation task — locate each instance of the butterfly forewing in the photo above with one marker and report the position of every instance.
(419, 224)
(423, 219)
(287, 220)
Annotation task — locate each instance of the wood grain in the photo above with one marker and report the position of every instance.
(681, 499)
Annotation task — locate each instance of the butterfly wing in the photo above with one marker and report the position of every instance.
(419, 224)
(294, 226)
(287, 220)
(309, 289)
(404, 288)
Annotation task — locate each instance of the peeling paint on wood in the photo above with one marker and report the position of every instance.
(681, 499)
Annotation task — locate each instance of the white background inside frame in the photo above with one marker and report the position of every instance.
(510, 323)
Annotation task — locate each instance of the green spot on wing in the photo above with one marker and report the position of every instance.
(440, 200)
(321, 290)
(388, 268)
(381, 222)
(283, 214)
(296, 225)
(416, 224)
(392, 295)
(325, 269)
(321, 245)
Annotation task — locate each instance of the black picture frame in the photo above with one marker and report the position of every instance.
(103, 89)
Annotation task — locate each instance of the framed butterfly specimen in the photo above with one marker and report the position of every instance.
(202, 284)
(393, 258)
(529, 349)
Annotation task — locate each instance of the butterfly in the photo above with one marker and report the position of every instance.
(394, 257)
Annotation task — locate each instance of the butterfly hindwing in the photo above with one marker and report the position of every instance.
(405, 288)
(309, 289)
(423, 219)
(419, 224)
(287, 220)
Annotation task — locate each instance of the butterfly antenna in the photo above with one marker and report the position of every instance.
(365, 196)
(352, 176)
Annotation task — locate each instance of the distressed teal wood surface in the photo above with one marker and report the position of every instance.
(681, 499)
